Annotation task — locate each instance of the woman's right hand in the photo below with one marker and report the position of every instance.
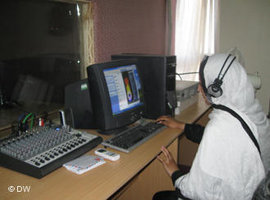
(168, 162)
(170, 122)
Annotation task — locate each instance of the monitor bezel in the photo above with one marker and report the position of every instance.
(105, 119)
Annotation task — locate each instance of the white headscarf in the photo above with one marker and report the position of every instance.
(227, 164)
(238, 94)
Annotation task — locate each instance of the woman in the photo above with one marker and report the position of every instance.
(229, 164)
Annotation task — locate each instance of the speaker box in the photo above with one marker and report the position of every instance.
(78, 103)
(157, 73)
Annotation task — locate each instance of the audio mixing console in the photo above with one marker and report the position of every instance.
(44, 149)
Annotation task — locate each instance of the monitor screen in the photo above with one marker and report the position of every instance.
(116, 93)
(124, 88)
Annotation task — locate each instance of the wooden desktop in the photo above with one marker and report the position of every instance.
(136, 175)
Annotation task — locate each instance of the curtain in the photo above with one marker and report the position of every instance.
(87, 37)
(169, 27)
(196, 34)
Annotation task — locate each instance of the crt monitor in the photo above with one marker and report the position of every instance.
(116, 93)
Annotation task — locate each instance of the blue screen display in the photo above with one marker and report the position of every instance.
(124, 88)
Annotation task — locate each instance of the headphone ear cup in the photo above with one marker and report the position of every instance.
(215, 90)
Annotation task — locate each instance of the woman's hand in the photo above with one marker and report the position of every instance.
(168, 162)
(170, 122)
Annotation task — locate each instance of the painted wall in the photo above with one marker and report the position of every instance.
(129, 26)
(245, 24)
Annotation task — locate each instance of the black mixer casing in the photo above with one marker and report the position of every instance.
(24, 167)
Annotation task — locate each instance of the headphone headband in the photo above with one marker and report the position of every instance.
(214, 89)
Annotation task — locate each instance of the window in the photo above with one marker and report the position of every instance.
(196, 34)
(41, 52)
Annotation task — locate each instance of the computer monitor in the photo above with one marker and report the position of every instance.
(116, 94)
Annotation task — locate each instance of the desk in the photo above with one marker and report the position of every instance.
(137, 175)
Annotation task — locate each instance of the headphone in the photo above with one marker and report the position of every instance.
(214, 89)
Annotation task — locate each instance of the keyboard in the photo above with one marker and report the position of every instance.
(44, 149)
(131, 138)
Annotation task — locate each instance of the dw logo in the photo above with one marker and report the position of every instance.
(19, 188)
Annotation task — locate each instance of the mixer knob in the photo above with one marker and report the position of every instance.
(78, 135)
